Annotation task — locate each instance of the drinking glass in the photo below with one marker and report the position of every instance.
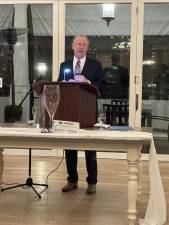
(102, 118)
(34, 113)
(51, 100)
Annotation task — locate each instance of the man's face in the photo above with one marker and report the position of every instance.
(80, 47)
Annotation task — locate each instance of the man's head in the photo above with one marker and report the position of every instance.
(80, 46)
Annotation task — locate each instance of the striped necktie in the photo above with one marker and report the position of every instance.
(77, 68)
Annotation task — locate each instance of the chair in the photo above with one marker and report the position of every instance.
(146, 119)
(117, 112)
(161, 136)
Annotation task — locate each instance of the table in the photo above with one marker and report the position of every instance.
(102, 140)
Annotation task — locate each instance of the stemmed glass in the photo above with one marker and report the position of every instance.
(102, 118)
(51, 98)
(34, 113)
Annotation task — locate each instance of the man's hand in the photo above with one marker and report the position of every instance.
(81, 78)
(71, 80)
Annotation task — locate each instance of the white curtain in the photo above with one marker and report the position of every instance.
(6, 13)
(42, 17)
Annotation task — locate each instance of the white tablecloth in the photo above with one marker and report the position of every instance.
(156, 209)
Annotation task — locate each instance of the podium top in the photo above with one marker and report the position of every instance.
(38, 86)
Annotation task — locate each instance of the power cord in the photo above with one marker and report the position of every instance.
(47, 175)
(55, 168)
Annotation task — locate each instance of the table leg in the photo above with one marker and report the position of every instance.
(133, 154)
(1, 166)
(139, 173)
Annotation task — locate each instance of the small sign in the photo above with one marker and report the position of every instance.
(1, 82)
(66, 125)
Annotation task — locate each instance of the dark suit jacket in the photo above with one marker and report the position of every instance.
(92, 70)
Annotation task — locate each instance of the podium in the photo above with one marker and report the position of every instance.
(78, 102)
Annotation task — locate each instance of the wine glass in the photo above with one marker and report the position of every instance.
(34, 113)
(102, 118)
(51, 98)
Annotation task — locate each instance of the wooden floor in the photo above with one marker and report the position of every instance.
(20, 206)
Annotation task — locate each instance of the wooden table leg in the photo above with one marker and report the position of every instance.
(133, 155)
(1, 166)
(139, 173)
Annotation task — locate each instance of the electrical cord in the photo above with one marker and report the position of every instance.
(47, 175)
(55, 169)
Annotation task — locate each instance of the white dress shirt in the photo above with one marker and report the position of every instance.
(82, 62)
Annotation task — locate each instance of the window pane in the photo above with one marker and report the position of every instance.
(25, 55)
(156, 69)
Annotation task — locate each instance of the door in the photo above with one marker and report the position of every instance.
(113, 44)
(155, 67)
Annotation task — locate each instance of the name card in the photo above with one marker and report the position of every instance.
(66, 125)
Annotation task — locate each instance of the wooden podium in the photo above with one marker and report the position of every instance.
(78, 102)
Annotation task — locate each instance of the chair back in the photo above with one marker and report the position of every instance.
(117, 112)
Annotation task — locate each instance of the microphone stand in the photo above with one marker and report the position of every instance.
(29, 181)
(28, 93)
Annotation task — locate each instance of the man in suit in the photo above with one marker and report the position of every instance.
(81, 69)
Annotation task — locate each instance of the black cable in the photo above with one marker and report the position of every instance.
(54, 169)
(47, 175)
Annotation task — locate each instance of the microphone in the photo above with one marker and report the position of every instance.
(66, 71)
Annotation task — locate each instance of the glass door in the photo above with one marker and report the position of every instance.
(155, 88)
(110, 43)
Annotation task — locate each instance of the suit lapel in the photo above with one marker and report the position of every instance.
(86, 66)
(70, 65)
